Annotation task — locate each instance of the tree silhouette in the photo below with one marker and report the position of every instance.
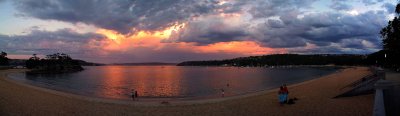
(391, 40)
(33, 62)
(286, 59)
(53, 63)
(3, 59)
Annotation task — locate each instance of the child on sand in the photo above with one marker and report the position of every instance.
(281, 96)
(285, 92)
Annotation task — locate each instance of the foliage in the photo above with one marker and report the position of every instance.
(53, 63)
(391, 40)
(3, 59)
(286, 59)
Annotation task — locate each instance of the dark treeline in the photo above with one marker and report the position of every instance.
(289, 59)
(53, 63)
(3, 59)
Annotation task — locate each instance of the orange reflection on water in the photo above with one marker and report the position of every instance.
(154, 81)
(158, 82)
(113, 85)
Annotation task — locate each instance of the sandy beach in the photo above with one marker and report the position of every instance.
(315, 99)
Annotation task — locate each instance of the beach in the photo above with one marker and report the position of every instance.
(315, 98)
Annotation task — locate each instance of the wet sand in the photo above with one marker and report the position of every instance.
(315, 98)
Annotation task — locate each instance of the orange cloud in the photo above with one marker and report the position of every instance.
(118, 42)
(240, 47)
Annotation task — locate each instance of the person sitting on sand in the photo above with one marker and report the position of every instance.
(281, 96)
(133, 94)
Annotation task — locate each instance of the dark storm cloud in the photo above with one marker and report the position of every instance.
(119, 15)
(267, 8)
(273, 23)
(352, 43)
(284, 29)
(211, 30)
(322, 29)
(334, 27)
(46, 42)
(214, 36)
(215, 30)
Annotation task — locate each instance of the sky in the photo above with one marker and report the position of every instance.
(121, 31)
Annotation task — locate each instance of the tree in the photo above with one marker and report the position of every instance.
(33, 62)
(3, 58)
(53, 63)
(391, 40)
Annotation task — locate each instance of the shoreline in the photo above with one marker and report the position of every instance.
(259, 102)
(144, 101)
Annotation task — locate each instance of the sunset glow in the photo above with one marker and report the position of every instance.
(241, 47)
(151, 31)
(120, 42)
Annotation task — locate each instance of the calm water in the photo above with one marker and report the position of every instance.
(115, 82)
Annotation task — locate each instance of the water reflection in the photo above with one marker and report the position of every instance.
(148, 81)
(114, 85)
(170, 81)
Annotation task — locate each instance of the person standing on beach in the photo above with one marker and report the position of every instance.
(281, 96)
(285, 92)
(136, 95)
(133, 94)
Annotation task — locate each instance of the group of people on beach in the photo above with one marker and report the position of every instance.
(283, 94)
(134, 94)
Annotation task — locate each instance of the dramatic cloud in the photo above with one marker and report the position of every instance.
(122, 15)
(176, 30)
(264, 8)
(46, 42)
(212, 29)
(321, 29)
